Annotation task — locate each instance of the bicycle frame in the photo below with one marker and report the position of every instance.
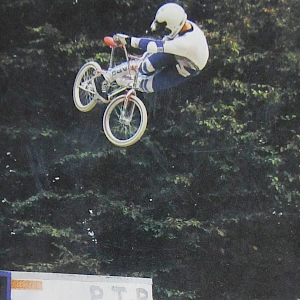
(109, 41)
(125, 117)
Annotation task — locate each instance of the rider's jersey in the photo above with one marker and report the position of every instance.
(190, 48)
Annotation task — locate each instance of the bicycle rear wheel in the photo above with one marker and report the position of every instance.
(84, 89)
(124, 124)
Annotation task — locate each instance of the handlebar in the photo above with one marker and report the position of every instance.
(110, 41)
(118, 40)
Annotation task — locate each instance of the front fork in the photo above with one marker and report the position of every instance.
(128, 117)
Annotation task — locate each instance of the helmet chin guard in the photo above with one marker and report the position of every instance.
(174, 17)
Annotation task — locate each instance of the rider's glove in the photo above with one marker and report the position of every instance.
(121, 39)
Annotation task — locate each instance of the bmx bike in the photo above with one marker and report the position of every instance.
(125, 117)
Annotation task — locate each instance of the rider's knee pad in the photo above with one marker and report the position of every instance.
(146, 67)
(145, 84)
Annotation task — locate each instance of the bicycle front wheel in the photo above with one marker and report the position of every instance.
(124, 122)
(84, 89)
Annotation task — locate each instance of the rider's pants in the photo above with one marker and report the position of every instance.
(162, 72)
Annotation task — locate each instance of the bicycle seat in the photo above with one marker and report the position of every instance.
(109, 41)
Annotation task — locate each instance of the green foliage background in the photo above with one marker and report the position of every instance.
(207, 203)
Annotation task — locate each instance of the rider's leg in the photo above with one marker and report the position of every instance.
(164, 79)
(158, 71)
(156, 61)
(150, 64)
(160, 80)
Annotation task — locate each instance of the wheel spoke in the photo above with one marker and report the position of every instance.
(125, 122)
(124, 126)
(84, 88)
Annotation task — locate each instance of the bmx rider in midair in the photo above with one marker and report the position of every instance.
(181, 54)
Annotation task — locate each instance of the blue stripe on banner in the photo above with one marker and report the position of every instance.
(8, 283)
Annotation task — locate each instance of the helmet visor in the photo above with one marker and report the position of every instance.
(160, 28)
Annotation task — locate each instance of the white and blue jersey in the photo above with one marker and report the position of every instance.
(174, 60)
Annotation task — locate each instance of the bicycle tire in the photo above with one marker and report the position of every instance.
(120, 131)
(84, 88)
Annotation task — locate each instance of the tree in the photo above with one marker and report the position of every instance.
(207, 203)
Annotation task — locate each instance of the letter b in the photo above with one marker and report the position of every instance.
(96, 292)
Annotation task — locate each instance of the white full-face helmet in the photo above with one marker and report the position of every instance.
(172, 16)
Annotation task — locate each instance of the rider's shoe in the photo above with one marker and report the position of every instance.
(125, 81)
(143, 83)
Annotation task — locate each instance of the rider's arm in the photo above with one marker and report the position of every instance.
(142, 43)
(177, 46)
